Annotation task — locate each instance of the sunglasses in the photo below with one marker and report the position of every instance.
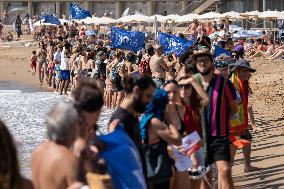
(171, 81)
(187, 86)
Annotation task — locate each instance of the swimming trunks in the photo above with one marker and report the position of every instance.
(65, 74)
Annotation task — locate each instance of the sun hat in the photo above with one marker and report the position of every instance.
(242, 63)
(223, 61)
(202, 51)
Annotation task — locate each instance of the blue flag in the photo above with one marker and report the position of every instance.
(123, 160)
(50, 19)
(219, 51)
(77, 12)
(173, 44)
(121, 39)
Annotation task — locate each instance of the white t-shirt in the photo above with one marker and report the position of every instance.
(64, 62)
(57, 56)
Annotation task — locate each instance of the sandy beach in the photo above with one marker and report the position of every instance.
(267, 100)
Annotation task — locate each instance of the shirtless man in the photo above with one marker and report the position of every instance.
(53, 164)
(158, 67)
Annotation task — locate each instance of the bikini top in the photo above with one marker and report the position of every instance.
(182, 126)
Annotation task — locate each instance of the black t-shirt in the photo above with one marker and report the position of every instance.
(131, 126)
(130, 123)
(204, 42)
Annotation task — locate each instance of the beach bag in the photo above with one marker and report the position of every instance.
(144, 66)
(158, 162)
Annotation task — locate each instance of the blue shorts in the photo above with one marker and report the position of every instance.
(65, 74)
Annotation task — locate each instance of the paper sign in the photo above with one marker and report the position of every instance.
(182, 162)
(191, 143)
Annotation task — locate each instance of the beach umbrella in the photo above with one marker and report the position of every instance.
(187, 18)
(155, 17)
(106, 20)
(231, 14)
(133, 18)
(89, 20)
(209, 16)
(281, 15)
(171, 17)
(269, 14)
(250, 14)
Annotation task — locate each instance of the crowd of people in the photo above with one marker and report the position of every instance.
(158, 99)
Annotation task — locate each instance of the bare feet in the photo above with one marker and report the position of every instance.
(251, 169)
(256, 129)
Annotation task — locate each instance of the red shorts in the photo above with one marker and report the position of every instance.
(33, 64)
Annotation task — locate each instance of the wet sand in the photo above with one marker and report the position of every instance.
(267, 101)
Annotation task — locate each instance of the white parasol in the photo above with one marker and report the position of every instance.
(89, 20)
(250, 14)
(133, 18)
(231, 14)
(155, 17)
(187, 18)
(209, 16)
(171, 17)
(281, 15)
(106, 20)
(269, 14)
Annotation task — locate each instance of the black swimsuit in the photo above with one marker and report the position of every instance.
(182, 127)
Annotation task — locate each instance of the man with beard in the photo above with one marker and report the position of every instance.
(215, 117)
(139, 92)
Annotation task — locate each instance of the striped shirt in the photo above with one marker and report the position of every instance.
(221, 94)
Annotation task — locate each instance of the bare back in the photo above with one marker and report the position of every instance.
(157, 65)
(53, 166)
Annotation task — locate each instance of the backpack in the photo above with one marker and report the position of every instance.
(144, 66)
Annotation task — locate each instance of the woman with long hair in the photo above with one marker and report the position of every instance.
(115, 78)
(10, 177)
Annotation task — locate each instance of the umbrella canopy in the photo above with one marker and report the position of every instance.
(171, 17)
(210, 16)
(155, 17)
(187, 18)
(231, 14)
(250, 14)
(89, 20)
(133, 18)
(106, 20)
(269, 14)
(281, 16)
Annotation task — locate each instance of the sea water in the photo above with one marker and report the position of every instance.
(24, 112)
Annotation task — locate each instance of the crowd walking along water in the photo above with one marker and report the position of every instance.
(174, 108)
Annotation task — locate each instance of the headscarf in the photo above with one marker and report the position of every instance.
(156, 108)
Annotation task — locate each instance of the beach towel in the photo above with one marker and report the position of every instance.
(239, 122)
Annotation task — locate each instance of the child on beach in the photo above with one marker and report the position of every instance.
(33, 62)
